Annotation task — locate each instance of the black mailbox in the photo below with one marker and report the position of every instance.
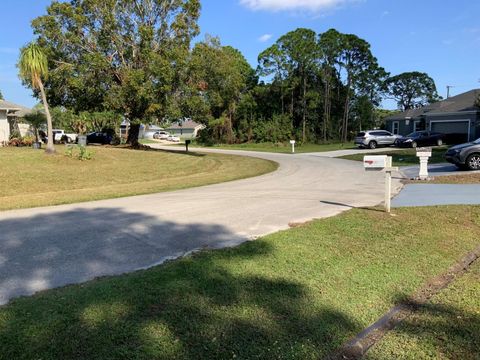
(187, 142)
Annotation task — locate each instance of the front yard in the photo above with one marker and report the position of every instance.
(282, 147)
(296, 294)
(29, 178)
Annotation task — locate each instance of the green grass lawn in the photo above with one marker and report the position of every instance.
(406, 157)
(282, 147)
(31, 178)
(461, 178)
(147, 141)
(296, 294)
(448, 327)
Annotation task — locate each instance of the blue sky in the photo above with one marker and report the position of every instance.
(441, 38)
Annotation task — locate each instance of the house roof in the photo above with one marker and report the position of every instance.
(462, 102)
(187, 124)
(8, 106)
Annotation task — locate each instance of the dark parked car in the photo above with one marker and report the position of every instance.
(103, 138)
(465, 156)
(421, 138)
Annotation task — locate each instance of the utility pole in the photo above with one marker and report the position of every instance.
(448, 90)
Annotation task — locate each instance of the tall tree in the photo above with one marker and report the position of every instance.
(299, 48)
(361, 68)
(33, 66)
(218, 76)
(411, 89)
(329, 44)
(273, 61)
(121, 55)
(1, 95)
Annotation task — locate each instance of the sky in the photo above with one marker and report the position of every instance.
(441, 38)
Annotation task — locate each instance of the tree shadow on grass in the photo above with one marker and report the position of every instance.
(431, 331)
(445, 329)
(212, 305)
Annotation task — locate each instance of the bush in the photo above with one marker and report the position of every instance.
(28, 140)
(79, 152)
(15, 142)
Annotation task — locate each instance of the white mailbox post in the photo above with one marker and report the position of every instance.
(424, 154)
(293, 145)
(382, 163)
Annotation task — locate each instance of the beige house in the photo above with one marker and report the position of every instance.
(7, 109)
(11, 117)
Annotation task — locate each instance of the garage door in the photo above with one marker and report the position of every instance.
(457, 131)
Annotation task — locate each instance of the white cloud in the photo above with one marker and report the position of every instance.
(302, 5)
(265, 37)
(385, 13)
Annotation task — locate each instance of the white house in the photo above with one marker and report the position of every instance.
(6, 110)
(186, 128)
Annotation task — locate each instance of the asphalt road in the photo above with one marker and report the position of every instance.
(49, 247)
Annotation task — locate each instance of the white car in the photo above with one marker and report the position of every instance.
(60, 135)
(161, 135)
(173, 138)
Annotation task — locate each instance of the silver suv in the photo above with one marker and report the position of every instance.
(374, 138)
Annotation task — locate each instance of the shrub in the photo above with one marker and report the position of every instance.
(28, 140)
(79, 152)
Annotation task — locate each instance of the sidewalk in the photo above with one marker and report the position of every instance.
(438, 194)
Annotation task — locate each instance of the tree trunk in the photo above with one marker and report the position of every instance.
(304, 120)
(345, 119)
(50, 146)
(326, 108)
(346, 113)
(133, 132)
(283, 101)
(291, 107)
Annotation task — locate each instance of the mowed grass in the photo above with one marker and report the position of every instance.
(405, 157)
(296, 294)
(282, 147)
(462, 178)
(448, 327)
(30, 178)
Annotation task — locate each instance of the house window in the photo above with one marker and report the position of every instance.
(395, 127)
(416, 126)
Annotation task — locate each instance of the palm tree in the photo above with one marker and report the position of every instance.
(33, 66)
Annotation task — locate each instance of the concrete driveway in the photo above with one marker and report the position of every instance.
(49, 247)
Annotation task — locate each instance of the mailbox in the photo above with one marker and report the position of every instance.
(375, 162)
(292, 142)
(424, 152)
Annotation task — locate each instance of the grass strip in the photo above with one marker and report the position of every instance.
(296, 294)
(281, 147)
(29, 178)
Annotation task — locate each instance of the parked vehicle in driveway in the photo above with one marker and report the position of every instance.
(161, 135)
(103, 138)
(61, 136)
(173, 138)
(465, 156)
(374, 138)
(422, 138)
